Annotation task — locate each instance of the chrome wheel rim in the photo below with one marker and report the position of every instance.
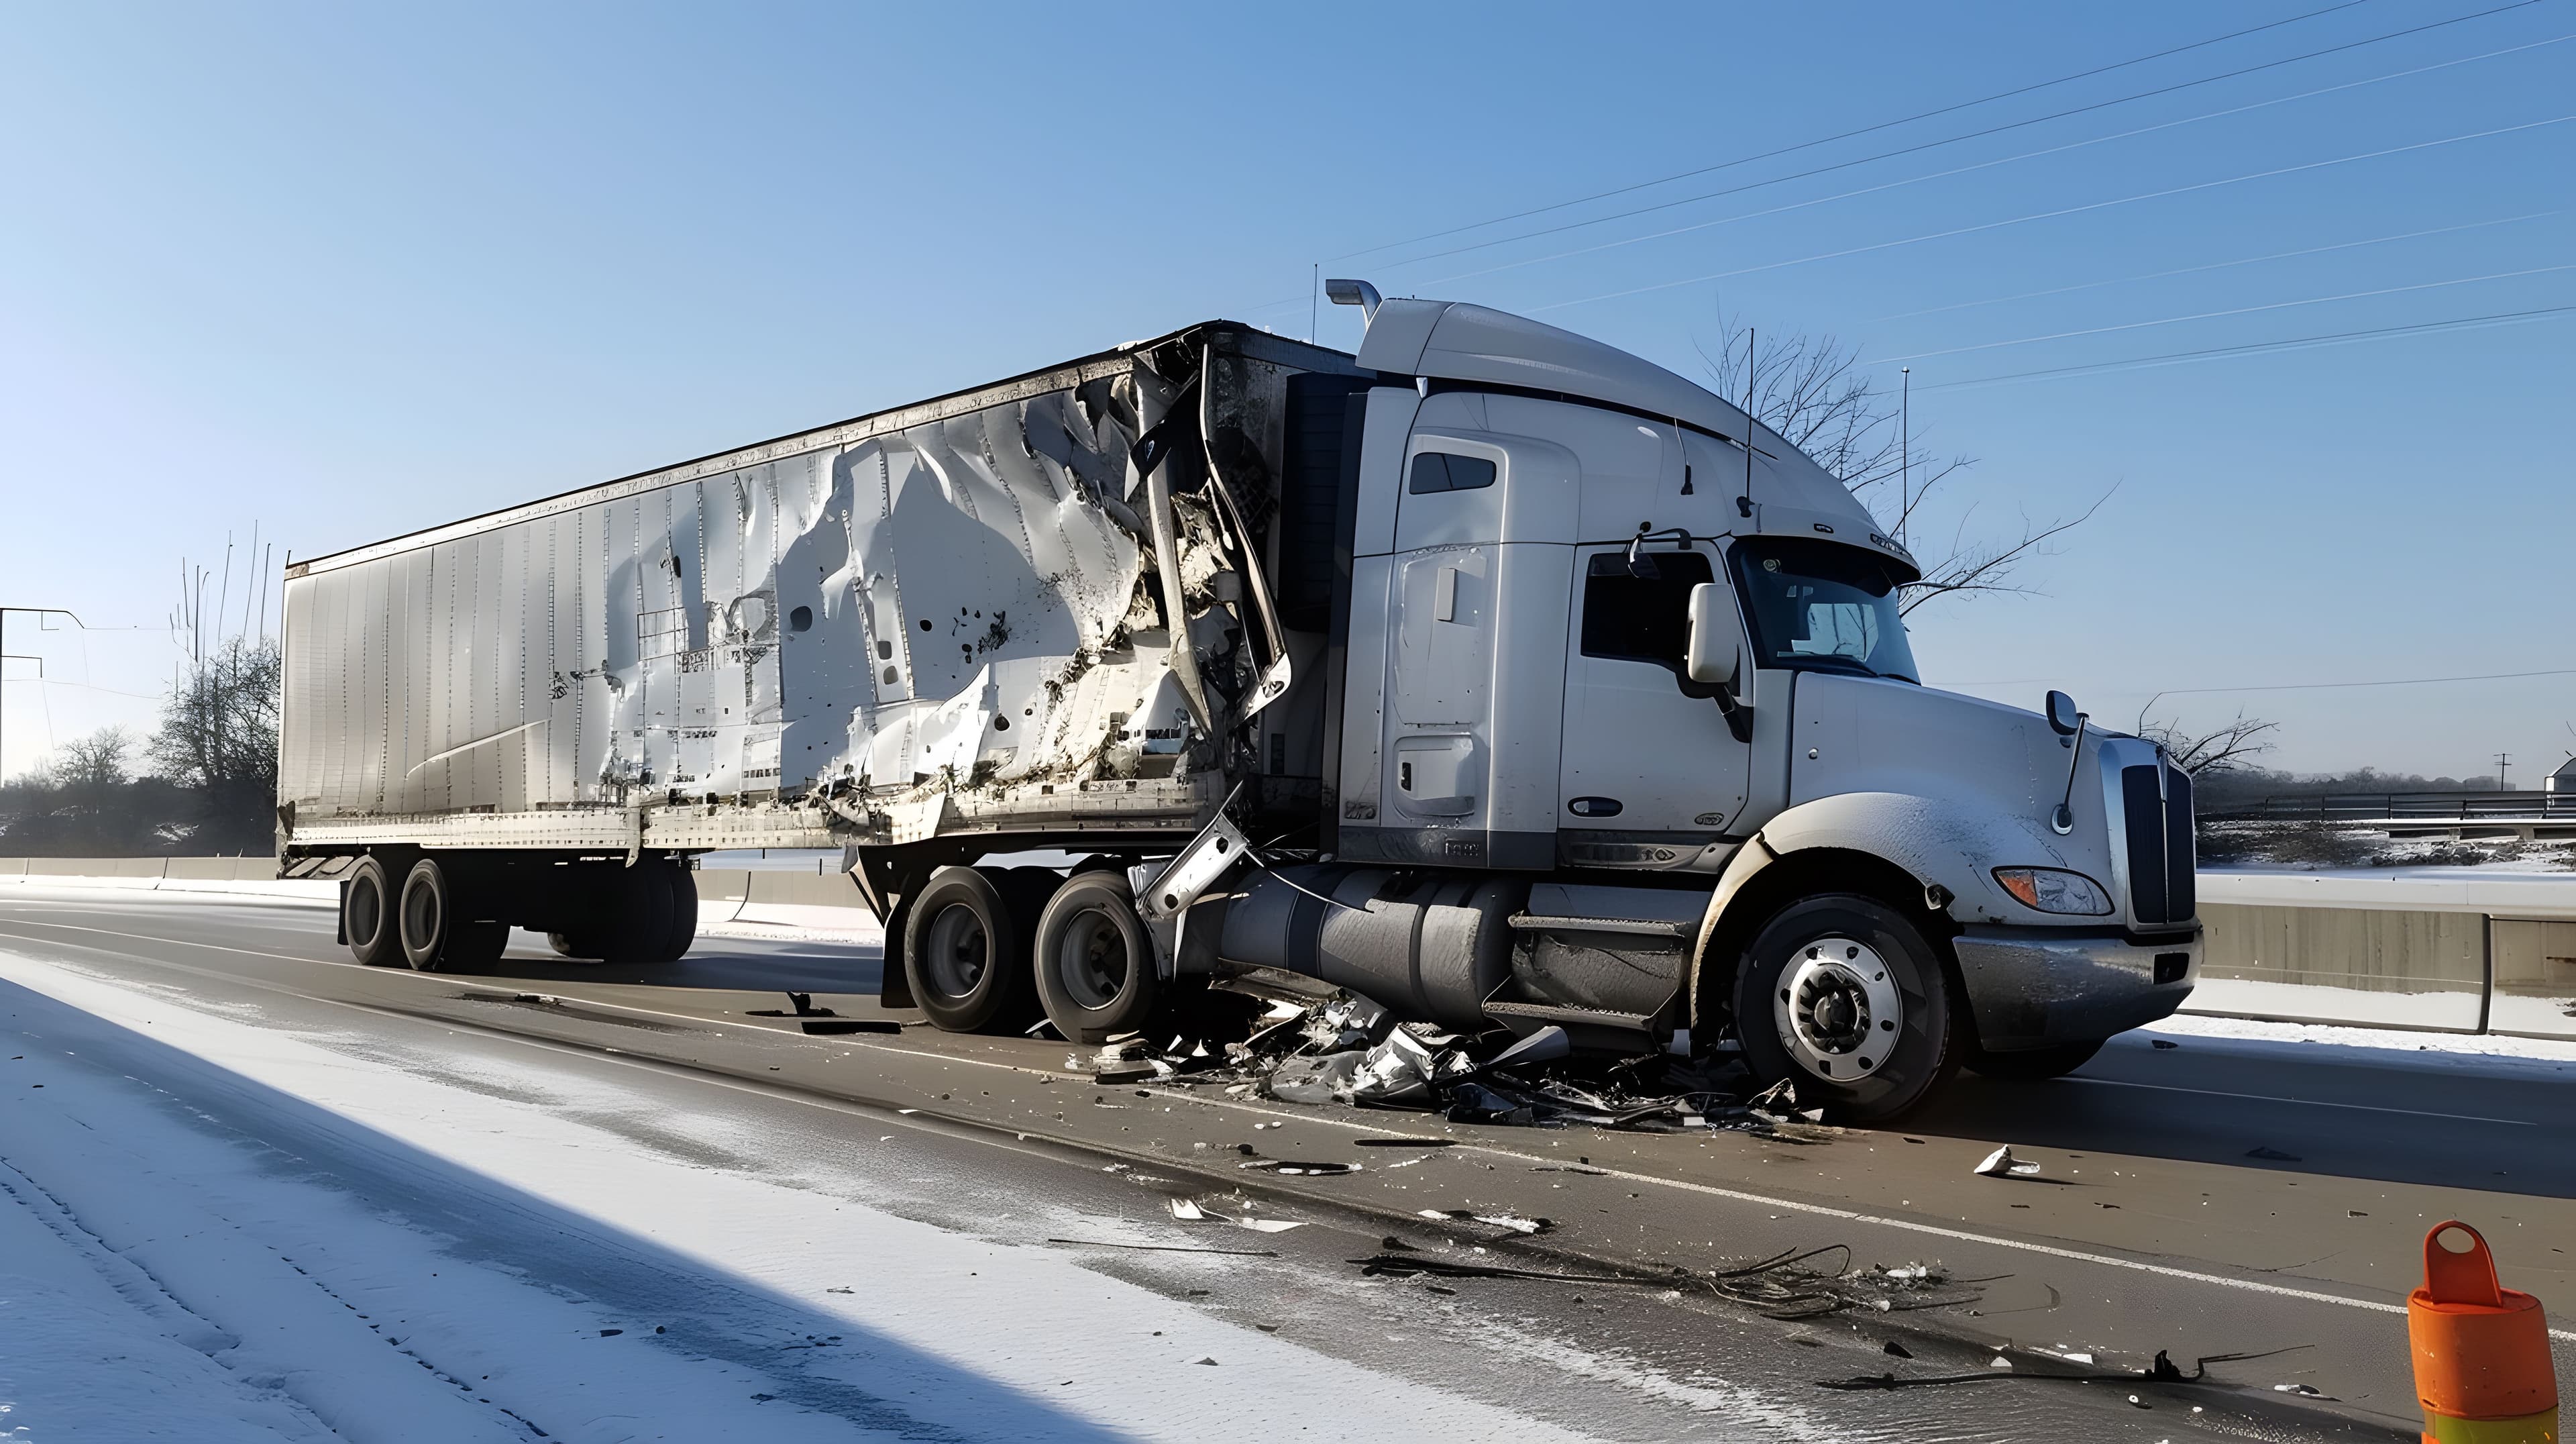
(1837, 1009)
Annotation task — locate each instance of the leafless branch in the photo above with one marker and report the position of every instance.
(1812, 392)
(2223, 749)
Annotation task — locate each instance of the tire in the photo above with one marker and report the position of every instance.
(427, 913)
(965, 950)
(2031, 1065)
(368, 904)
(1095, 965)
(682, 931)
(632, 915)
(1846, 998)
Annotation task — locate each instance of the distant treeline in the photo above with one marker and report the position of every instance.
(2252, 784)
(209, 773)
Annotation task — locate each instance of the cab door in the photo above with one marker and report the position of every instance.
(1644, 764)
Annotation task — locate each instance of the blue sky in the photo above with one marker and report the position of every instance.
(346, 271)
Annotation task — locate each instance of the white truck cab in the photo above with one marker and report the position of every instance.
(1636, 661)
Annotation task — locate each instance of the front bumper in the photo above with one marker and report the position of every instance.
(2034, 987)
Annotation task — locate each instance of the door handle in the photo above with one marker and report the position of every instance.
(1444, 595)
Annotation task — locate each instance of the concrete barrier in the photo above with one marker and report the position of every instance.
(2449, 950)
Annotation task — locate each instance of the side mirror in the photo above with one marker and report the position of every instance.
(2063, 719)
(1715, 650)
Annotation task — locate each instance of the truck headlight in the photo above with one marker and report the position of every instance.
(2050, 890)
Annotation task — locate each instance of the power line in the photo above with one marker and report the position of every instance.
(1957, 139)
(1991, 164)
(1846, 135)
(2176, 358)
(2216, 266)
(2212, 315)
(2063, 211)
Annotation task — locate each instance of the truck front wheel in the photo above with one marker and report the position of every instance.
(1844, 996)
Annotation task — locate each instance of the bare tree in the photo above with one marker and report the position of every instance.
(95, 763)
(2222, 749)
(1811, 390)
(218, 736)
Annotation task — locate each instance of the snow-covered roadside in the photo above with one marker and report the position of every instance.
(2322, 1040)
(215, 1229)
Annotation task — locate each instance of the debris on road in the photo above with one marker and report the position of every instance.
(1294, 1168)
(1166, 1247)
(2002, 1164)
(1189, 1211)
(1510, 1223)
(1348, 1050)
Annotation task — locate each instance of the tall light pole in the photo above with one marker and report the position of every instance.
(25, 657)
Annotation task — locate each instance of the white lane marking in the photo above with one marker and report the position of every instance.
(2304, 1102)
(1819, 1210)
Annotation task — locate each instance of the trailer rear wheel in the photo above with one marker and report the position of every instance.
(426, 917)
(682, 932)
(1845, 997)
(367, 907)
(965, 949)
(1095, 965)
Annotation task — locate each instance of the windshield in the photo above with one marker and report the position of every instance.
(1822, 606)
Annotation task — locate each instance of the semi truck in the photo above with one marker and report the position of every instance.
(1493, 673)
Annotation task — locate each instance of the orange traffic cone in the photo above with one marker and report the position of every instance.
(2482, 1369)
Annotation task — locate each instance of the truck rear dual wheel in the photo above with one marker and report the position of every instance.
(1095, 964)
(368, 900)
(436, 932)
(966, 946)
(1846, 998)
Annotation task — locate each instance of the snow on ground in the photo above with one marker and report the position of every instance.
(2320, 1040)
(215, 1229)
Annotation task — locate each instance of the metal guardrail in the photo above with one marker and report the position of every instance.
(2423, 806)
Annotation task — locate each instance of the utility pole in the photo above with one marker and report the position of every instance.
(2503, 761)
(1905, 450)
(39, 612)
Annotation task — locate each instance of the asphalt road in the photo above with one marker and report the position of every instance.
(2149, 1229)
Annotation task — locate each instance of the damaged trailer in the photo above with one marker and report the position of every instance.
(1493, 673)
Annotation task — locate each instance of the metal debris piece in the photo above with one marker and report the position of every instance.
(1189, 1211)
(1544, 1046)
(2002, 1164)
(1293, 1168)
(1511, 1223)
(1404, 1142)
